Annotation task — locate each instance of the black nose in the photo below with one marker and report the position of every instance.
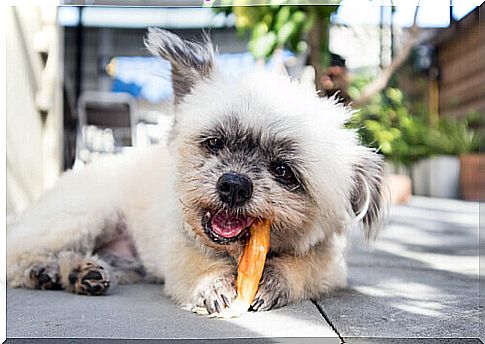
(234, 189)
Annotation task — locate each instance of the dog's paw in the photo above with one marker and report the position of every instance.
(212, 296)
(273, 291)
(45, 277)
(89, 279)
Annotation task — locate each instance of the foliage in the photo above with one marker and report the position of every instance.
(453, 136)
(386, 124)
(278, 25)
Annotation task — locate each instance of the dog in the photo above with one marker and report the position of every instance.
(260, 146)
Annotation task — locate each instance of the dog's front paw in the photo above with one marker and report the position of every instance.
(273, 291)
(213, 295)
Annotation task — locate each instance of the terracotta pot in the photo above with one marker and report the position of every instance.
(399, 188)
(472, 175)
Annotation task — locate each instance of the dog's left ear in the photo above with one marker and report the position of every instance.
(369, 197)
(190, 61)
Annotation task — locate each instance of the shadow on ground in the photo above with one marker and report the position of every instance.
(419, 280)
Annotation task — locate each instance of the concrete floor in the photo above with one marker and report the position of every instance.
(420, 279)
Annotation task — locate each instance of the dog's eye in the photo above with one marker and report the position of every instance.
(283, 173)
(214, 144)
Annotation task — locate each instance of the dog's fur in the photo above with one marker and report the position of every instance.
(159, 197)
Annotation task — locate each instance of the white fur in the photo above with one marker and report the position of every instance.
(140, 187)
(261, 98)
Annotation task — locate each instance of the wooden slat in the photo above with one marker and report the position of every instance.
(462, 68)
(462, 110)
(463, 41)
(461, 72)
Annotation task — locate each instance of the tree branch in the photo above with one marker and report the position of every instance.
(381, 81)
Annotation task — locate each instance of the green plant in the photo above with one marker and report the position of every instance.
(404, 138)
(474, 120)
(386, 124)
(280, 25)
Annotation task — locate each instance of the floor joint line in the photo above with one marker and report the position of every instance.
(327, 319)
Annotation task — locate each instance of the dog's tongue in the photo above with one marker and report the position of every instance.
(229, 226)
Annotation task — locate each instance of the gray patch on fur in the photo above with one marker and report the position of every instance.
(125, 270)
(190, 61)
(254, 150)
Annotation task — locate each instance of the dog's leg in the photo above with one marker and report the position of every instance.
(201, 283)
(66, 270)
(198, 281)
(291, 279)
(36, 256)
(124, 270)
(67, 218)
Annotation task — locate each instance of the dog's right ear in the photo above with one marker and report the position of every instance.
(190, 61)
(370, 196)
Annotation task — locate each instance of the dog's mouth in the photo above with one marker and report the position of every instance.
(223, 227)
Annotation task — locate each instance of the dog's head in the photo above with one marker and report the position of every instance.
(263, 147)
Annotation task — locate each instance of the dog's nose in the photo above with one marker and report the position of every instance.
(234, 189)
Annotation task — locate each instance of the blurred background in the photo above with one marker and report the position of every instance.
(81, 84)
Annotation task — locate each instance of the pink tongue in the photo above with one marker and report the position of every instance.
(229, 226)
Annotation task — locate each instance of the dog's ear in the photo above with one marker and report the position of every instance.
(190, 61)
(369, 198)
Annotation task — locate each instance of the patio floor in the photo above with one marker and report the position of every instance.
(420, 279)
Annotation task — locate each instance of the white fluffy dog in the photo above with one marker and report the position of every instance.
(259, 147)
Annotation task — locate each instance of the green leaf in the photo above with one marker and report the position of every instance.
(263, 46)
(268, 19)
(282, 17)
(259, 30)
(298, 17)
(301, 46)
(285, 32)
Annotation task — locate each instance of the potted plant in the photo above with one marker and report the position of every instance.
(447, 141)
(471, 171)
(436, 154)
(386, 124)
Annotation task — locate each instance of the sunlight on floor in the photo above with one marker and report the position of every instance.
(272, 324)
(419, 307)
(468, 265)
(411, 297)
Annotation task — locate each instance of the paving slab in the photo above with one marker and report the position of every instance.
(419, 279)
(141, 311)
